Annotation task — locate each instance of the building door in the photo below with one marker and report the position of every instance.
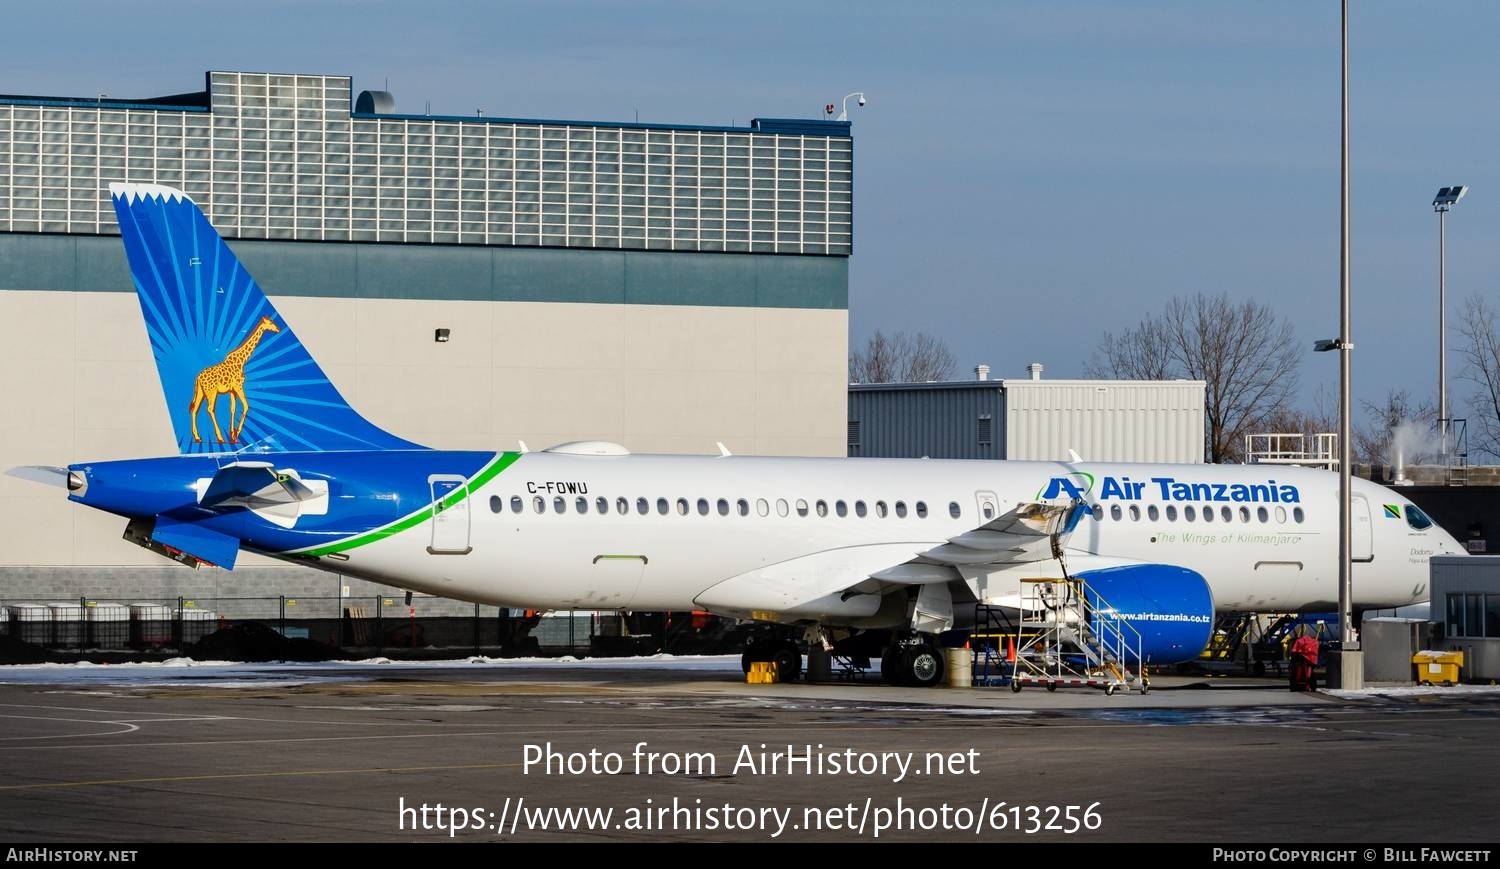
(1361, 540)
(450, 515)
(989, 506)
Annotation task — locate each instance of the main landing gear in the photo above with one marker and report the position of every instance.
(913, 662)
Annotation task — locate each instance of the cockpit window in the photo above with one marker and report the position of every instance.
(1416, 518)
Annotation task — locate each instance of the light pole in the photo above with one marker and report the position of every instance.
(1346, 344)
(1446, 198)
(844, 115)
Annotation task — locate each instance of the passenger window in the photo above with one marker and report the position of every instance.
(1280, 515)
(1208, 514)
(1115, 513)
(1244, 514)
(682, 507)
(1171, 512)
(822, 509)
(1262, 515)
(723, 506)
(841, 508)
(954, 510)
(1189, 514)
(1226, 514)
(642, 506)
(989, 510)
(702, 506)
(601, 504)
(496, 505)
(1298, 515)
(742, 506)
(1152, 513)
(622, 506)
(516, 504)
(1135, 512)
(859, 509)
(1097, 512)
(539, 504)
(663, 506)
(1418, 520)
(781, 509)
(581, 505)
(801, 507)
(921, 509)
(560, 504)
(880, 510)
(761, 507)
(900, 509)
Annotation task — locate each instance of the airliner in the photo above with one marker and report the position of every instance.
(272, 460)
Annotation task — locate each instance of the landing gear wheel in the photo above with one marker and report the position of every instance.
(923, 666)
(788, 663)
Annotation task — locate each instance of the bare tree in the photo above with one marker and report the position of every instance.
(900, 358)
(1481, 353)
(1243, 351)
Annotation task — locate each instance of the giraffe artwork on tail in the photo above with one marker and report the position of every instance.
(227, 376)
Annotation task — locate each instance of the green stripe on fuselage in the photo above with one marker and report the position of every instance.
(501, 462)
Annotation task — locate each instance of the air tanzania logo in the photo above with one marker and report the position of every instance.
(227, 376)
(1392, 511)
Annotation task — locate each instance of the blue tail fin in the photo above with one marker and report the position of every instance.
(234, 374)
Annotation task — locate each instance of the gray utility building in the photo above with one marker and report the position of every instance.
(1465, 599)
(664, 286)
(1032, 418)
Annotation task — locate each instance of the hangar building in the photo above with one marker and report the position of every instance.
(663, 286)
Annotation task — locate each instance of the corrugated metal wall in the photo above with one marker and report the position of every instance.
(940, 422)
(1104, 421)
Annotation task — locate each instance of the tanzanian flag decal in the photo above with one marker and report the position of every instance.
(1392, 511)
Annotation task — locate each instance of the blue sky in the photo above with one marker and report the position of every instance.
(1027, 174)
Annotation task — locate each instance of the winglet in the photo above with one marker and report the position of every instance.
(724, 452)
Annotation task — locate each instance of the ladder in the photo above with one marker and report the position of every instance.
(993, 642)
(1071, 637)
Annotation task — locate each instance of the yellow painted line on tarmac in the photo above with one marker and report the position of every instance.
(245, 775)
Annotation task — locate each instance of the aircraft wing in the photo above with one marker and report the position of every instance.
(852, 582)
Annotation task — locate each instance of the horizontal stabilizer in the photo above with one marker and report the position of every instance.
(45, 474)
(212, 547)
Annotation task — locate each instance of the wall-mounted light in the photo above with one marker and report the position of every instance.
(441, 336)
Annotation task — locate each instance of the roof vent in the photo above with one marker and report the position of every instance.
(1035, 370)
(375, 103)
(981, 372)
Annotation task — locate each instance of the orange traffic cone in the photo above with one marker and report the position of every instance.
(1010, 650)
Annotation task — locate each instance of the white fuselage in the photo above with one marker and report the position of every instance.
(550, 532)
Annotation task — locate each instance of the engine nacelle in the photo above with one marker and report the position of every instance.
(1172, 607)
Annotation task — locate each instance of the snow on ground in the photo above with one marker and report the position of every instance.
(1415, 691)
(226, 674)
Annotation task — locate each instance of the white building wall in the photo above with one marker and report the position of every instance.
(1104, 420)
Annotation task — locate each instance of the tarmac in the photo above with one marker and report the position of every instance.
(683, 749)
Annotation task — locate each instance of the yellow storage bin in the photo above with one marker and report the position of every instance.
(1437, 667)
